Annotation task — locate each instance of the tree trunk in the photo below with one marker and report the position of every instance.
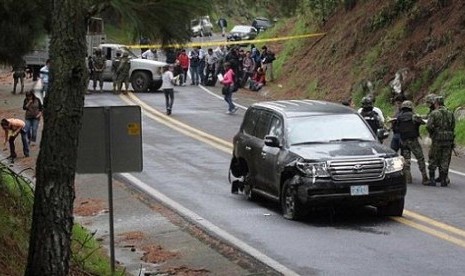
(52, 222)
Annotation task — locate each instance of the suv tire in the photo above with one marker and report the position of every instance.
(140, 81)
(291, 207)
(394, 208)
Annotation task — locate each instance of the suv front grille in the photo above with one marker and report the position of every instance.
(358, 169)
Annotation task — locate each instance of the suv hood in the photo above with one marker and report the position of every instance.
(148, 62)
(341, 150)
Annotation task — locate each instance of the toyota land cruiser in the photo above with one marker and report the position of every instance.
(306, 154)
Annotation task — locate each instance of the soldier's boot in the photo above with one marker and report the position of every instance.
(431, 181)
(408, 177)
(425, 179)
(444, 179)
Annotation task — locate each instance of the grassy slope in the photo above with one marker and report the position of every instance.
(16, 201)
(372, 42)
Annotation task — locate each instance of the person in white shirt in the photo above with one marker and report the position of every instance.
(150, 54)
(44, 71)
(168, 87)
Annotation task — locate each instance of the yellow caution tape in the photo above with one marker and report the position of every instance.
(217, 43)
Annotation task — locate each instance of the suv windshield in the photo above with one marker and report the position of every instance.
(327, 128)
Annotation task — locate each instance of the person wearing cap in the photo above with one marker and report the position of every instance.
(372, 115)
(407, 124)
(114, 68)
(123, 73)
(441, 128)
(33, 107)
(99, 63)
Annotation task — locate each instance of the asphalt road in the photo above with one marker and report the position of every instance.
(187, 164)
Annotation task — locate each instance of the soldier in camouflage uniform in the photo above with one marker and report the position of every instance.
(122, 73)
(408, 124)
(114, 68)
(99, 63)
(441, 127)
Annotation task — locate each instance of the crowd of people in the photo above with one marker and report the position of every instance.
(250, 67)
(405, 126)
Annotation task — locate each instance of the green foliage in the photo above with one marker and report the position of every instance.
(15, 213)
(321, 9)
(88, 254)
(387, 15)
(21, 24)
(163, 21)
(16, 203)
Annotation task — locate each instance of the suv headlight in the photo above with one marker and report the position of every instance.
(394, 164)
(319, 169)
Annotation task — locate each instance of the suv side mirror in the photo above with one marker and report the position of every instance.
(272, 141)
(382, 134)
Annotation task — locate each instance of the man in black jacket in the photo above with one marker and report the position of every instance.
(408, 124)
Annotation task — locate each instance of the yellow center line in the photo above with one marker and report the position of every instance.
(409, 216)
(435, 223)
(177, 125)
(431, 231)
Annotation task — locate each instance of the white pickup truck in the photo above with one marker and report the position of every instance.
(145, 74)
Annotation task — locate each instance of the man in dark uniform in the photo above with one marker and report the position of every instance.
(441, 127)
(19, 72)
(114, 68)
(408, 126)
(99, 63)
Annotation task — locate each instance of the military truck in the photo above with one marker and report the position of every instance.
(38, 56)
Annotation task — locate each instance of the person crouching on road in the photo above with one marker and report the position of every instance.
(12, 128)
(168, 87)
(407, 125)
(228, 87)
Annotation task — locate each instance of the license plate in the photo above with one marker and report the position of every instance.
(359, 190)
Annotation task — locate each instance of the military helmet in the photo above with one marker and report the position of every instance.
(430, 98)
(439, 100)
(367, 102)
(407, 104)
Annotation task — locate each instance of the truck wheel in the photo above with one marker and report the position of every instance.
(394, 208)
(291, 207)
(140, 81)
(156, 85)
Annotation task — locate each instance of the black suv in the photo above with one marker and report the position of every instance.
(305, 154)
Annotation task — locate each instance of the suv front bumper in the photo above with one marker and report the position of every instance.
(325, 192)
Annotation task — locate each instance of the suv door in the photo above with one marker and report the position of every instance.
(245, 140)
(270, 157)
(260, 168)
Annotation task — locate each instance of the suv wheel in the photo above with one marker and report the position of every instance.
(140, 81)
(394, 208)
(291, 207)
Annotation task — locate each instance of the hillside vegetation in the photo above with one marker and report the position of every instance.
(365, 46)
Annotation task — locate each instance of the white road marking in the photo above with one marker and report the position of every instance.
(210, 226)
